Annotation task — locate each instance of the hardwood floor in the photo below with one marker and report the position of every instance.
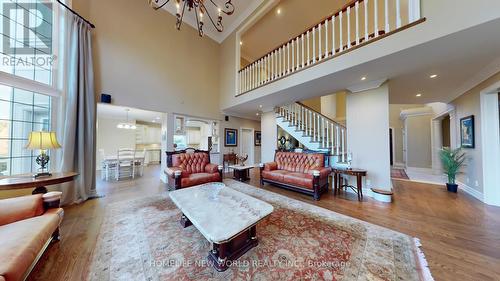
(460, 235)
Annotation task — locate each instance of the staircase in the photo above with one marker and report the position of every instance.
(314, 130)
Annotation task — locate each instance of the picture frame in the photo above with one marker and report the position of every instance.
(258, 138)
(230, 137)
(467, 135)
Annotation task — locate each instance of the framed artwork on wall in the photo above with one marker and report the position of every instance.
(467, 132)
(230, 137)
(258, 138)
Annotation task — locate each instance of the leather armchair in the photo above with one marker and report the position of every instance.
(27, 226)
(302, 172)
(191, 167)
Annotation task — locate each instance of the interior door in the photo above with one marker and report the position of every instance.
(391, 145)
(246, 146)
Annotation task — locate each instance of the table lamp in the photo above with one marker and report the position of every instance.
(42, 141)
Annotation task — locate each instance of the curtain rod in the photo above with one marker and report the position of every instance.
(76, 14)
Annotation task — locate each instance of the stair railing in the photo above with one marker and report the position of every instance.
(355, 24)
(319, 128)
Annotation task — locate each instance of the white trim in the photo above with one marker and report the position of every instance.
(251, 154)
(366, 86)
(228, 30)
(490, 144)
(416, 112)
(471, 191)
(11, 80)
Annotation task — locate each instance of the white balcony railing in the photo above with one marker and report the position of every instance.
(357, 23)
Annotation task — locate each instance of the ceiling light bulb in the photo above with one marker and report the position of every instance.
(257, 114)
(260, 106)
(119, 126)
(278, 11)
(363, 78)
(433, 76)
(418, 95)
(241, 43)
(133, 127)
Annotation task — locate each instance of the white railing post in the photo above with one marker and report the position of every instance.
(332, 140)
(326, 39)
(366, 20)
(356, 11)
(314, 45)
(348, 27)
(283, 70)
(341, 35)
(303, 47)
(398, 13)
(320, 48)
(337, 139)
(375, 17)
(308, 48)
(333, 36)
(386, 11)
(413, 10)
(343, 145)
(288, 58)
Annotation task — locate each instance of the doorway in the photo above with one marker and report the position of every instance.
(445, 131)
(247, 144)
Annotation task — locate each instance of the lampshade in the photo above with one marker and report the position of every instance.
(42, 140)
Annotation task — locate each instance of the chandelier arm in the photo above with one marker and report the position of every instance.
(217, 25)
(228, 7)
(200, 24)
(156, 2)
(180, 17)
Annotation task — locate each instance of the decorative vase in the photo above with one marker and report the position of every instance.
(452, 187)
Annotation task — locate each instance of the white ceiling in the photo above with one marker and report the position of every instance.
(242, 9)
(461, 61)
(115, 112)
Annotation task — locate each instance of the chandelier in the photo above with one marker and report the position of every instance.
(126, 125)
(200, 10)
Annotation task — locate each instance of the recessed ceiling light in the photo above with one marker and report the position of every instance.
(241, 43)
(433, 76)
(260, 106)
(363, 78)
(278, 11)
(418, 95)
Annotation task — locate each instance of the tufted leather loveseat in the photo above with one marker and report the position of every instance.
(302, 172)
(191, 167)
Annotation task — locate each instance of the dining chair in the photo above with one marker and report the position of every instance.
(107, 165)
(139, 162)
(125, 159)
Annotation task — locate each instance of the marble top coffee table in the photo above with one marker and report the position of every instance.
(225, 217)
(241, 173)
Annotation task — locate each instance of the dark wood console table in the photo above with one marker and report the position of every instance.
(39, 184)
(338, 181)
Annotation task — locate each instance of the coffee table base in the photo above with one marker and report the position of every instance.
(222, 255)
(241, 175)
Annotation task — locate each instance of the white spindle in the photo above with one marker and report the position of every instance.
(366, 20)
(333, 36)
(375, 17)
(292, 68)
(341, 31)
(303, 47)
(308, 49)
(327, 133)
(348, 27)
(413, 10)
(337, 139)
(288, 57)
(356, 11)
(314, 45)
(332, 138)
(343, 145)
(326, 39)
(283, 70)
(320, 48)
(386, 10)
(398, 13)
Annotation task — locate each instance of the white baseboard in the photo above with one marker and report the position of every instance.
(471, 191)
(399, 165)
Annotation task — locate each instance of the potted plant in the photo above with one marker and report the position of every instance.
(453, 160)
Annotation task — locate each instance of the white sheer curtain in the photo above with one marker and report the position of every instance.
(78, 111)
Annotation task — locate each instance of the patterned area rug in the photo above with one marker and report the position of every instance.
(143, 240)
(399, 174)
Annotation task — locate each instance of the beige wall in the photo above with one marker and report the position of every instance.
(397, 124)
(143, 61)
(418, 129)
(238, 123)
(465, 105)
(314, 103)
